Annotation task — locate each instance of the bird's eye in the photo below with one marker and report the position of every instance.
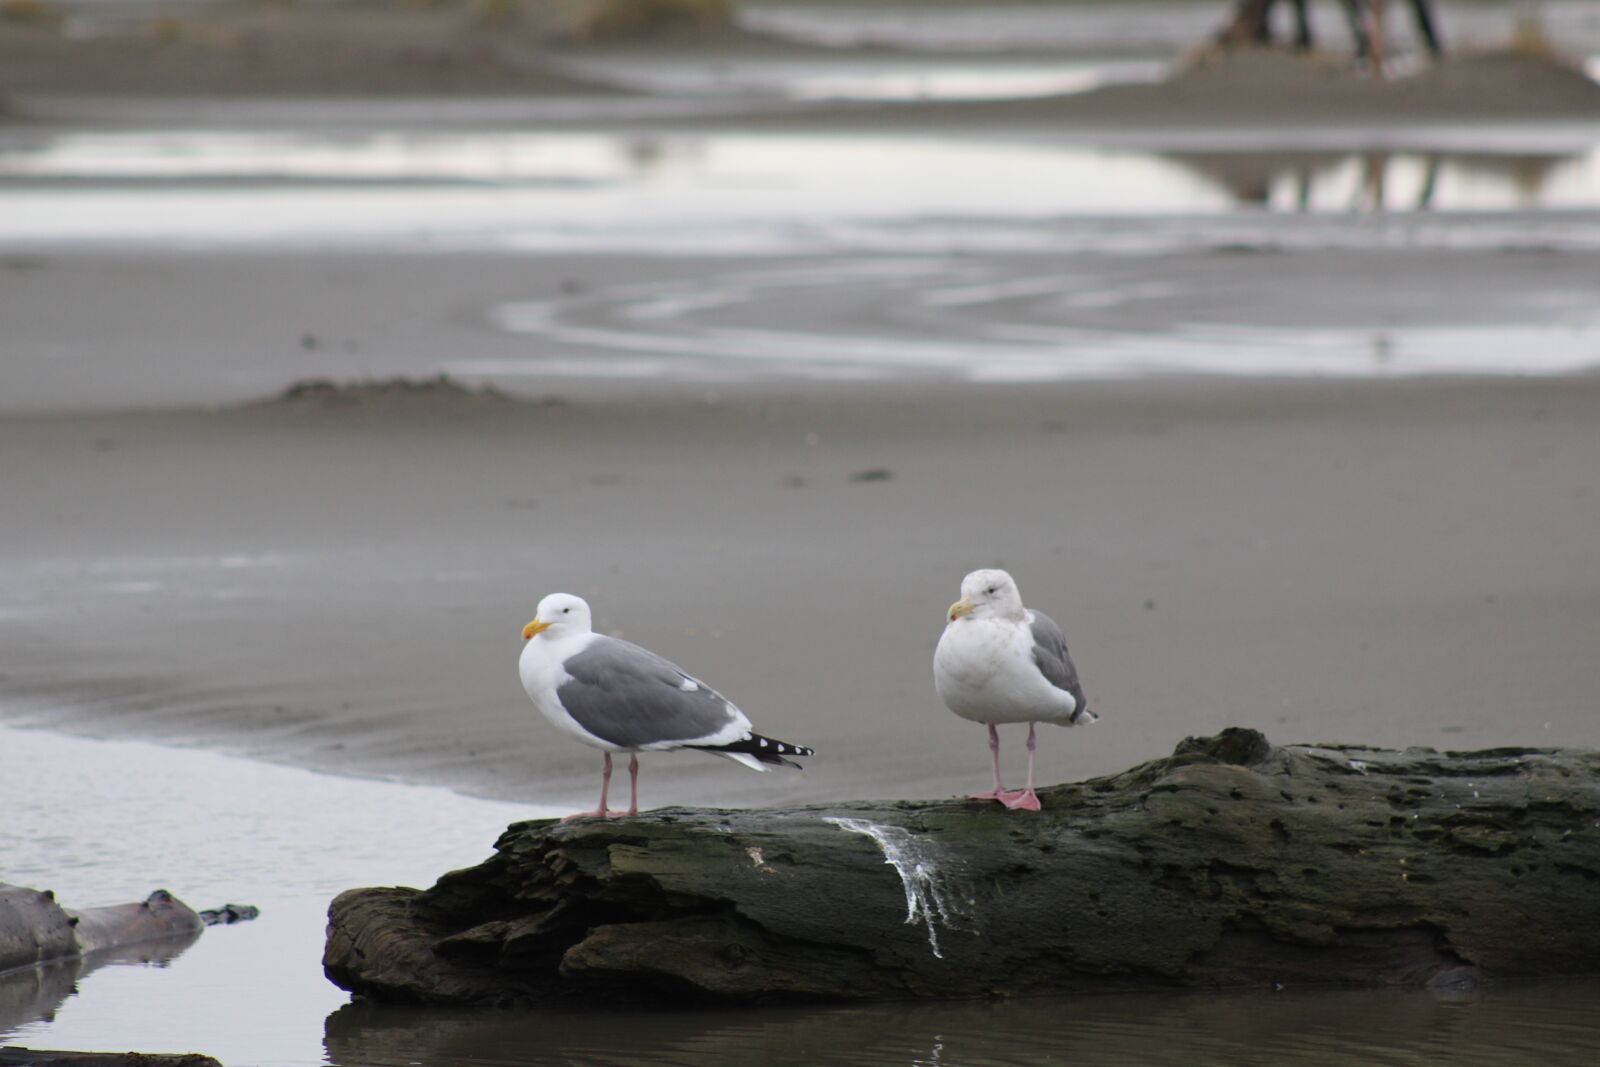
(990, 589)
(565, 610)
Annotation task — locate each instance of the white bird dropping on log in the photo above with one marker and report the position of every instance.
(618, 697)
(930, 896)
(999, 662)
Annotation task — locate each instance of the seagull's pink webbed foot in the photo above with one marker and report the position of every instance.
(603, 811)
(1020, 800)
(1024, 799)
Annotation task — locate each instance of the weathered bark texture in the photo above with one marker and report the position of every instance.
(1231, 863)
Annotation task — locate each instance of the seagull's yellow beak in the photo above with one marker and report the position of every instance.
(533, 629)
(960, 608)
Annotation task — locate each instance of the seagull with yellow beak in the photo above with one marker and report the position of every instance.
(999, 662)
(618, 697)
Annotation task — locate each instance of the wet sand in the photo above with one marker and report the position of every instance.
(268, 49)
(340, 583)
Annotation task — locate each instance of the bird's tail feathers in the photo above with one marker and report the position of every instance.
(744, 758)
(1083, 717)
(760, 753)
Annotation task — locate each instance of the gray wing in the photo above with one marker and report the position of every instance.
(1051, 657)
(633, 698)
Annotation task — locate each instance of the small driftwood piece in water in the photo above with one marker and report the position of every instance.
(12, 1056)
(45, 950)
(34, 928)
(1230, 864)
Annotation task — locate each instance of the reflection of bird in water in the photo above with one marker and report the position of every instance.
(618, 697)
(998, 662)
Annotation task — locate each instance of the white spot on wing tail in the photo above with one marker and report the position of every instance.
(929, 896)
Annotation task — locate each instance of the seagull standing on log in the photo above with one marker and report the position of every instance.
(618, 697)
(999, 662)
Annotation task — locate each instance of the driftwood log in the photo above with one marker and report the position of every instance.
(34, 928)
(12, 1056)
(1230, 864)
(46, 950)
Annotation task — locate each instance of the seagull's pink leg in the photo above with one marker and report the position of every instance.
(633, 783)
(1025, 799)
(998, 792)
(605, 784)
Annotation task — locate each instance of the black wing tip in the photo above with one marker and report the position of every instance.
(765, 749)
(766, 745)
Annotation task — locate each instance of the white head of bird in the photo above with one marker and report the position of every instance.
(559, 615)
(987, 594)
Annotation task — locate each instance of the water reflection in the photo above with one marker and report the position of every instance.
(1381, 180)
(103, 820)
(1036, 318)
(621, 188)
(1155, 27)
(1553, 1025)
(33, 994)
(647, 154)
(876, 77)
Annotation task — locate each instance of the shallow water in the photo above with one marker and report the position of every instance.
(102, 822)
(1022, 319)
(735, 191)
(866, 257)
(1157, 27)
(1547, 1024)
(875, 76)
(1027, 257)
(108, 821)
(906, 232)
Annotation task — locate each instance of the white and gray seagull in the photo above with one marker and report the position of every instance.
(999, 662)
(618, 697)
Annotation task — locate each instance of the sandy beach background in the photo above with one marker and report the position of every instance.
(1281, 403)
(340, 582)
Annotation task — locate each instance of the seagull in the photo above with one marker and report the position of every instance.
(998, 661)
(619, 697)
